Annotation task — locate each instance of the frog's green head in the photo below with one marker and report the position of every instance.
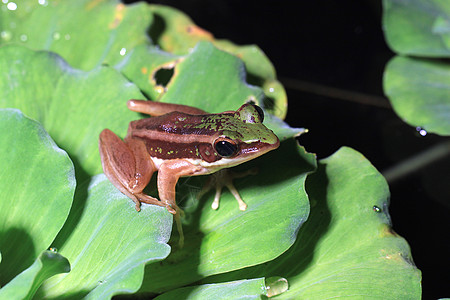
(243, 136)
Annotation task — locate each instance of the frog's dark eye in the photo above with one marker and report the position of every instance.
(225, 147)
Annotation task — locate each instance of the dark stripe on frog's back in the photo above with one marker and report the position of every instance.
(184, 124)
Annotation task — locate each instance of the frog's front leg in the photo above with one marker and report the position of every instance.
(223, 178)
(128, 166)
(168, 174)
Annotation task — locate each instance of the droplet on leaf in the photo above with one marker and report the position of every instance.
(376, 209)
(56, 36)
(11, 6)
(276, 285)
(421, 131)
(6, 35)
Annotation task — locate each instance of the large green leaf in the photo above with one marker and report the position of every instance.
(86, 33)
(347, 247)
(177, 33)
(417, 27)
(74, 106)
(24, 285)
(108, 243)
(37, 185)
(228, 239)
(103, 223)
(191, 84)
(419, 92)
(418, 88)
(89, 33)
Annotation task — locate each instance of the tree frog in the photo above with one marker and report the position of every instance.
(180, 140)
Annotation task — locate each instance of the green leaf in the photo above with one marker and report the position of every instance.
(74, 106)
(149, 68)
(37, 185)
(102, 259)
(60, 26)
(120, 30)
(347, 247)
(228, 239)
(419, 92)
(281, 129)
(248, 289)
(24, 285)
(193, 85)
(418, 88)
(198, 78)
(108, 243)
(416, 27)
(177, 33)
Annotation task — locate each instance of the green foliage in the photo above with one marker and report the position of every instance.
(418, 85)
(24, 285)
(36, 189)
(347, 247)
(319, 231)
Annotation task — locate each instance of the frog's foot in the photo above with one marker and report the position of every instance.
(225, 178)
(144, 198)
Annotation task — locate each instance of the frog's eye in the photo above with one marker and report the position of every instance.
(260, 112)
(225, 147)
(250, 113)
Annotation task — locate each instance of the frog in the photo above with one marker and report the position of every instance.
(180, 141)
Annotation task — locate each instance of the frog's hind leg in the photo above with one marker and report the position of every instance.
(127, 166)
(154, 109)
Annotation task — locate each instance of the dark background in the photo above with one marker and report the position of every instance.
(340, 44)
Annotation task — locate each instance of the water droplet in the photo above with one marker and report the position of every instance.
(23, 37)
(11, 6)
(101, 281)
(123, 51)
(53, 249)
(43, 2)
(6, 35)
(5, 1)
(56, 36)
(376, 209)
(271, 89)
(67, 37)
(421, 131)
(276, 285)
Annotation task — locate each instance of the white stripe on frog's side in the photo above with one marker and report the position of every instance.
(210, 167)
